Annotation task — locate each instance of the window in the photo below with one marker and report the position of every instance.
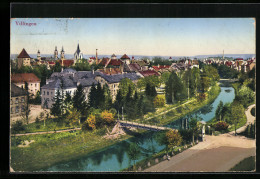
(22, 99)
(16, 109)
(11, 101)
(11, 110)
(16, 100)
(51, 93)
(35, 84)
(47, 92)
(31, 84)
(43, 92)
(22, 108)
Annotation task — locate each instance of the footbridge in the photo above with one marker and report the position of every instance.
(143, 126)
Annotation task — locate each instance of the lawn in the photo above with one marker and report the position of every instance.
(248, 164)
(49, 149)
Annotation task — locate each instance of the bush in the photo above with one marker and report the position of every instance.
(159, 101)
(221, 126)
(18, 127)
(253, 111)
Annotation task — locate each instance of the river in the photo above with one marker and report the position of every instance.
(115, 158)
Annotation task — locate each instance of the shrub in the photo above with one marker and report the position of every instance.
(92, 122)
(159, 101)
(253, 111)
(17, 127)
(221, 125)
(201, 97)
(107, 117)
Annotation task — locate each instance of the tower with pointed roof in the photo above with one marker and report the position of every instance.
(55, 53)
(78, 55)
(39, 55)
(23, 59)
(62, 54)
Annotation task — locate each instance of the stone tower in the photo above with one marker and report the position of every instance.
(55, 53)
(62, 54)
(39, 55)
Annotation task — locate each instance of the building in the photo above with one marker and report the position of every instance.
(39, 55)
(72, 78)
(18, 101)
(62, 54)
(125, 59)
(55, 53)
(23, 59)
(32, 80)
(78, 55)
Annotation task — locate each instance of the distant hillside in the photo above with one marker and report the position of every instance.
(70, 56)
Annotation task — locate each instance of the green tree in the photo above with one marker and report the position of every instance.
(57, 67)
(107, 97)
(134, 152)
(195, 72)
(124, 86)
(194, 126)
(27, 105)
(173, 138)
(119, 101)
(56, 107)
(78, 100)
(219, 113)
(92, 96)
(164, 77)
(73, 117)
(173, 87)
(237, 112)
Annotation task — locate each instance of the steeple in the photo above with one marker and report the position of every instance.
(55, 53)
(62, 53)
(78, 55)
(38, 55)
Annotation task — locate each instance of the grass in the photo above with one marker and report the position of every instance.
(248, 164)
(49, 149)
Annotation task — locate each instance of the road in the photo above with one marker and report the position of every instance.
(216, 154)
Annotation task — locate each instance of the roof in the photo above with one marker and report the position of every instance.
(134, 67)
(110, 71)
(125, 57)
(67, 82)
(113, 55)
(239, 59)
(78, 50)
(149, 73)
(104, 61)
(69, 70)
(67, 63)
(17, 91)
(117, 78)
(115, 62)
(23, 54)
(22, 77)
(157, 68)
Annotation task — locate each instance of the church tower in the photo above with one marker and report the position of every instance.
(62, 54)
(78, 55)
(55, 53)
(39, 55)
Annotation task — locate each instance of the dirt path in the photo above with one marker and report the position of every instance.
(216, 154)
(249, 117)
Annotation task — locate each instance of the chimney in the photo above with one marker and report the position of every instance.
(93, 71)
(158, 66)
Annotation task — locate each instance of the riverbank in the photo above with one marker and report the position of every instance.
(51, 149)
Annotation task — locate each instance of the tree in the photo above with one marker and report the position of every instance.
(164, 77)
(107, 96)
(100, 97)
(56, 107)
(245, 95)
(107, 117)
(92, 96)
(195, 72)
(173, 138)
(57, 67)
(219, 113)
(119, 101)
(91, 121)
(134, 152)
(237, 112)
(124, 86)
(194, 126)
(27, 105)
(78, 100)
(73, 117)
(173, 87)
(204, 82)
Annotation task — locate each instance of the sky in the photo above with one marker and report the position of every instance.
(135, 36)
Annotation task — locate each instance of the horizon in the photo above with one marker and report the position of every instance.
(153, 36)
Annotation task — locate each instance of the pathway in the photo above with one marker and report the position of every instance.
(215, 154)
(143, 126)
(47, 132)
(250, 120)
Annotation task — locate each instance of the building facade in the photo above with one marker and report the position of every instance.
(23, 59)
(18, 101)
(32, 80)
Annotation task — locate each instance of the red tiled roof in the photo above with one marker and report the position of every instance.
(22, 77)
(239, 58)
(23, 54)
(161, 67)
(104, 61)
(228, 63)
(92, 58)
(170, 58)
(125, 57)
(149, 73)
(51, 63)
(110, 71)
(115, 62)
(68, 63)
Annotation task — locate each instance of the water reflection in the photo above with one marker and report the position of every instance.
(115, 158)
